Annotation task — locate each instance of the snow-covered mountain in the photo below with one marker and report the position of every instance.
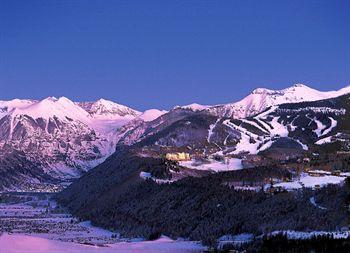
(107, 116)
(261, 98)
(289, 128)
(107, 109)
(128, 133)
(62, 137)
(258, 101)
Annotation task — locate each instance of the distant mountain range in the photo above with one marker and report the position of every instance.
(260, 99)
(64, 139)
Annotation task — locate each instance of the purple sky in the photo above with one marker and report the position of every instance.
(158, 54)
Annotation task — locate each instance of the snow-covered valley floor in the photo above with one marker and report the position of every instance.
(19, 243)
(37, 225)
(309, 181)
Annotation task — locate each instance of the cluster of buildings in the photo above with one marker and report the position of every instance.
(179, 156)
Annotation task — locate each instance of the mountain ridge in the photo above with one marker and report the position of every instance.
(261, 98)
(67, 138)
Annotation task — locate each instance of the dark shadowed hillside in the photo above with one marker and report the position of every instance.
(113, 196)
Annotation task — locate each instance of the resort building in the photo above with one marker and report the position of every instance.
(178, 156)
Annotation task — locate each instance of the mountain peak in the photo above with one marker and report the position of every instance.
(300, 85)
(52, 107)
(50, 98)
(260, 91)
(292, 88)
(105, 102)
(107, 109)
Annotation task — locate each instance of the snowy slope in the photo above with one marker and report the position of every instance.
(151, 114)
(7, 106)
